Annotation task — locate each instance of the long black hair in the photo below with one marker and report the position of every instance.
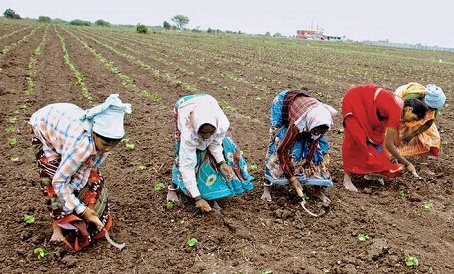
(419, 107)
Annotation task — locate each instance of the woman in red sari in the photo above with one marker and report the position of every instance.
(371, 117)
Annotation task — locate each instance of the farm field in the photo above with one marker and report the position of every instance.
(45, 63)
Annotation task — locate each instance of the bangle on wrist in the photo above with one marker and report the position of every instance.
(198, 198)
(173, 189)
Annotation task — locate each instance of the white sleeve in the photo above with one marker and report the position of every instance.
(187, 162)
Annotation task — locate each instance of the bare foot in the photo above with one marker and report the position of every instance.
(216, 206)
(172, 196)
(348, 183)
(425, 171)
(57, 235)
(320, 194)
(266, 194)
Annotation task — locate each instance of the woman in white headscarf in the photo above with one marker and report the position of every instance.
(208, 164)
(298, 151)
(70, 144)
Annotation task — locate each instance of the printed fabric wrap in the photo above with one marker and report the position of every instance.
(78, 233)
(363, 146)
(210, 181)
(428, 141)
(309, 157)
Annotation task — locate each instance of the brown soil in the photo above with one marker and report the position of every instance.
(250, 235)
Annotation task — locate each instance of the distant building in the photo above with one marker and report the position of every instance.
(310, 34)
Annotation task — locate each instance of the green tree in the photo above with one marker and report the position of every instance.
(79, 22)
(166, 25)
(141, 28)
(180, 21)
(11, 14)
(102, 23)
(44, 19)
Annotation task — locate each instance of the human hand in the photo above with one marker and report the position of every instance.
(91, 216)
(203, 205)
(411, 168)
(295, 183)
(227, 171)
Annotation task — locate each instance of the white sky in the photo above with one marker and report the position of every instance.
(428, 22)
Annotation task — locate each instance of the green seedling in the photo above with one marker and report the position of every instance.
(266, 272)
(147, 93)
(427, 206)
(29, 219)
(191, 242)
(159, 186)
(141, 167)
(23, 106)
(253, 167)
(306, 197)
(411, 260)
(169, 205)
(12, 120)
(9, 129)
(14, 159)
(130, 146)
(362, 237)
(402, 193)
(42, 252)
(12, 141)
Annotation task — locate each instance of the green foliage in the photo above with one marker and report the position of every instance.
(14, 159)
(266, 272)
(141, 28)
(169, 205)
(29, 219)
(102, 23)
(9, 129)
(180, 21)
(159, 186)
(166, 25)
(79, 22)
(362, 237)
(12, 141)
(11, 14)
(141, 167)
(191, 242)
(42, 252)
(128, 144)
(427, 206)
(44, 19)
(253, 167)
(411, 260)
(12, 120)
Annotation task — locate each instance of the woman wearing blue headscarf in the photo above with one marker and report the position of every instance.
(70, 144)
(422, 138)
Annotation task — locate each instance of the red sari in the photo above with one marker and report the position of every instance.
(367, 112)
